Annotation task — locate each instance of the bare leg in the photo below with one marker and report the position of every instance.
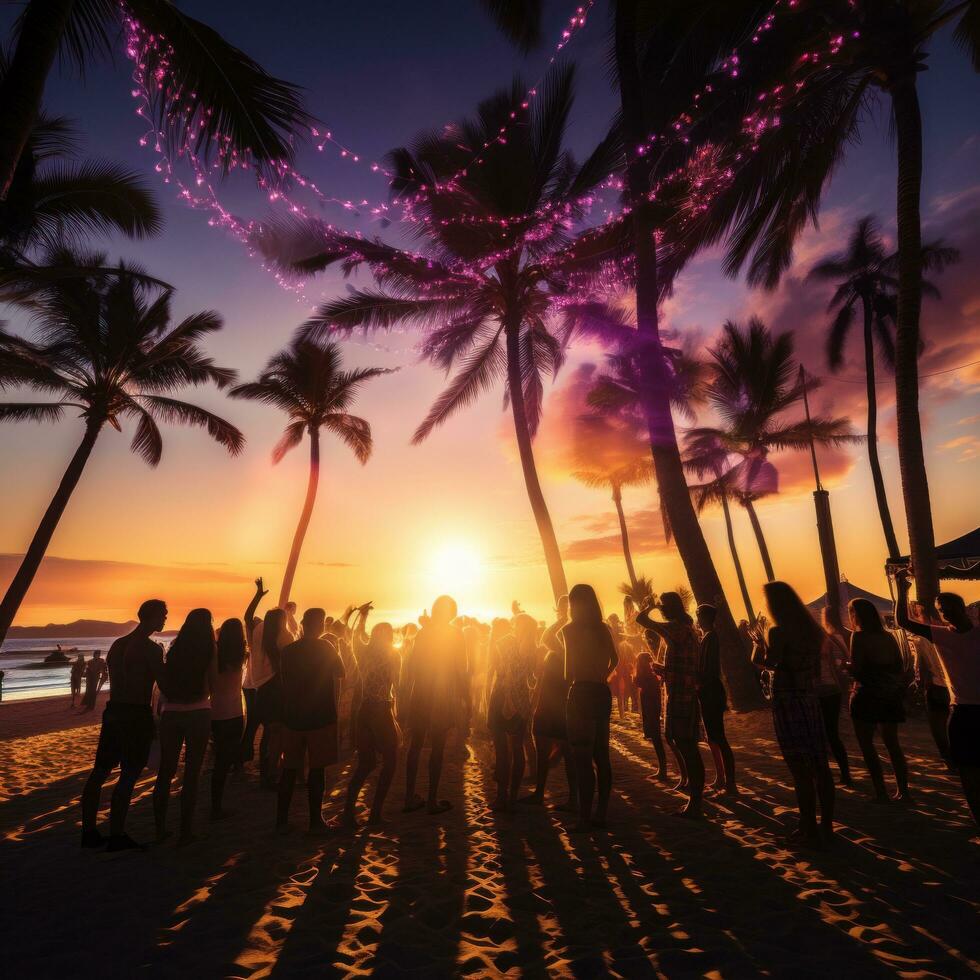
(435, 768)
(806, 799)
(197, 743)
(518, 762)
(365, 765)
(865, 732)
(688, 749)
(501, 773)
(91, 796)
(889, 735)
(122, 795)
(389, 759)
(825, 794)
(586, 783)
(571, 774)
(171, 740)
(287, 782)
(412, 767)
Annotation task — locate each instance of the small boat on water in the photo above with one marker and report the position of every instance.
(59, 657)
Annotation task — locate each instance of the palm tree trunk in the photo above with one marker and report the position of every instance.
(31, 561)
(674, 493)
(739, 573)
(624, 533)
(40, 36)
(915, 483)
(879, 484)
(304, 519)
(549, 542)
(760, 539)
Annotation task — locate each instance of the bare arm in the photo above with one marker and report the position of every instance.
(902, 617)
(643, 619)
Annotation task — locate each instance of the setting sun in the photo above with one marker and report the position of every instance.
(456, 566)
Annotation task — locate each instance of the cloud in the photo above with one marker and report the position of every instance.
(968, 447)
(603, 540)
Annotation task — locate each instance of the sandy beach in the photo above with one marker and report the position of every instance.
(478, 894)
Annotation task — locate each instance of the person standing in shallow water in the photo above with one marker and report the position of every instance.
(95, 675)
(435, 685)
(135, 664)
(792, 652)
(682, 717)
(77, 672)
(590, 657)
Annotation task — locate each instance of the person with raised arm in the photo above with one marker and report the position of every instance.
(590, 657)
(375, 729)
(435, 686)
(957, 641)
(248, 683)
(135, 664)
(682, 716)
(791, 650)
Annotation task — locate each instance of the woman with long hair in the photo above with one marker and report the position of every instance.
(185, 719)
(271, 637)
(876, 665)
(376, 732)
(227, 708)
(682, 717)
(590, 657)
(831, 689)
(509, 712)
(792, 652)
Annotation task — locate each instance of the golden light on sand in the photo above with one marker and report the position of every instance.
(456, 567)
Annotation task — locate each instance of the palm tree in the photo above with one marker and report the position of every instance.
(306, 382)
(483, 286)
(640, 592)
(754, 382)
(212, 95)
(864, 274)
(106, 347)
(661, 54)
(606, 463)
(53, 199)
(778, 189)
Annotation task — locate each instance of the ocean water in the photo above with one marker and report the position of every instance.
(26, 676)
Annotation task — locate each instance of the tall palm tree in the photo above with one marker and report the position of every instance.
(215, 94)
(864, 274)
(307, 383)
(611, 457)
(105, 347)
(778, 189)
(754, 383)
(482, 287)
(640, 592)
(661, 53)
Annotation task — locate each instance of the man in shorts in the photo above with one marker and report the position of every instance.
(311, 671)
(135, 664)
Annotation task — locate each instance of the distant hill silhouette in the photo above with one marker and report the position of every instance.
(79, 629)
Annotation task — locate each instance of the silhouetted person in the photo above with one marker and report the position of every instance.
(681, 673)
(227, 709)
(714, 702)
(650, 689)
(932, 680)
(832, 685)
(185, 719)
(878, 699)
(792, 652)
(436, 684)
(509, 710)
(249, 687)
(590, 657)
(95, 675)
(311, 671)
(375, 728)
(135, 664)
(75, 677)
(550, 729)
(957, 641)
(270, 638)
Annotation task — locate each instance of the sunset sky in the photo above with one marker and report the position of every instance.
(452, 515)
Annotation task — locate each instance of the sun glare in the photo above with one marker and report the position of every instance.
(456, 567)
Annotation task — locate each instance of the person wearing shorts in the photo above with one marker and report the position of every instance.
(310, 672)
(135, 664)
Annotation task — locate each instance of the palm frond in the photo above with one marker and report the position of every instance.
(290, 439)
(30, 412)
(176, 412)
(354, 431)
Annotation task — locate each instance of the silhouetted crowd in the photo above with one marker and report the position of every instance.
(544, 693)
